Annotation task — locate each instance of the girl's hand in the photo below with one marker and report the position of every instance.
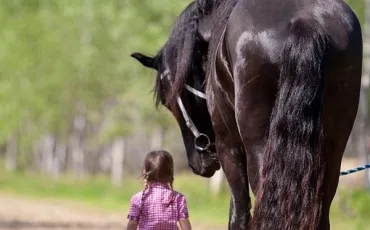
(132, 225)
(185, 224)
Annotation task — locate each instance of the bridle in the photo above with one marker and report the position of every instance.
(198, 136)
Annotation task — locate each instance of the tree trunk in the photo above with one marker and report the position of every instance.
(36, 156)
(11, 161)
(59, 159)
(359, 132)
(76, 146)
(105, 159)
(118, 154)
(47, 154)
(215, 182)
(77, 156)
(79, 123)
(366, 79)
(157, 138)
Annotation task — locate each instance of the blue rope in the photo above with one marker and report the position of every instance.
(346, 172)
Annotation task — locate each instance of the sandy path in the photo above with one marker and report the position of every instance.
(27, 214)
(19, 213)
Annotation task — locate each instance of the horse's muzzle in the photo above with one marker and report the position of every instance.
(210, 164)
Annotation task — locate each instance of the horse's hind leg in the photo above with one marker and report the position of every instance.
(340, 108)
(255, 88)
(232, 158)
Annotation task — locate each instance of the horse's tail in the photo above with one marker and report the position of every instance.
(290, 194)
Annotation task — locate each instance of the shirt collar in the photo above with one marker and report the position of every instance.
(158, 184)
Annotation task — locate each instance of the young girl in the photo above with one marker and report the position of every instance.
(158, 206)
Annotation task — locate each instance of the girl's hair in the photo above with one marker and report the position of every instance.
(158, 167)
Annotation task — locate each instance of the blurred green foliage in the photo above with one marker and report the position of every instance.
(358, 7)
(62, 58)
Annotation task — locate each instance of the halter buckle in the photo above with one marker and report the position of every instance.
(202, 142)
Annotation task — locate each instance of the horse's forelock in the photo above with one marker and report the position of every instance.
(180, 50)
(158, 95)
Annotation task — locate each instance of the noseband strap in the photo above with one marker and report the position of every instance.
(195, 92)
(187, 118)
(188, 121)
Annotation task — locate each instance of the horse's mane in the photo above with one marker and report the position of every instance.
(221, 16)
(178, 51)
(181, 52)
(175, 52)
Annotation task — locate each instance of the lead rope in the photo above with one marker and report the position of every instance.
(354, 170)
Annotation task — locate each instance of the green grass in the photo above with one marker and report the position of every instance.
(350, 209)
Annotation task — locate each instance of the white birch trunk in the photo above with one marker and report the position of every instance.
(77, 150)
(47, 154)
(118, 155)
(359, 132)
(365, 86)
(11, 161)
(36, 156)
(216, 181)
(59, 158)
(105, 159)
(77, 157)
(157, 138)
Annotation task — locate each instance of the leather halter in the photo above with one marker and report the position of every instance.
(189, 123)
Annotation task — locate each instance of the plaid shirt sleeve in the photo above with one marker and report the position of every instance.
(183, 207)
(134, 211)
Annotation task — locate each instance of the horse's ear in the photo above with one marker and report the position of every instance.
(145, 60)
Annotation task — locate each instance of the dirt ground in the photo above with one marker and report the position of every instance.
(18, 213)
(27, 214)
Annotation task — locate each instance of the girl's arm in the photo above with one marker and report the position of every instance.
(185, 224)
(184, 214)
(132, 225)
(134, 213)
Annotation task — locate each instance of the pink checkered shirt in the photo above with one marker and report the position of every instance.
(155, 214)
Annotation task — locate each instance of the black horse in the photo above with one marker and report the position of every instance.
(282, 90)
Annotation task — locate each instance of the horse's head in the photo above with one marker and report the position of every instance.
(183, 95)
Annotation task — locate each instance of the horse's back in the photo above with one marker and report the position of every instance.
(258, 30)
(267, 22)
